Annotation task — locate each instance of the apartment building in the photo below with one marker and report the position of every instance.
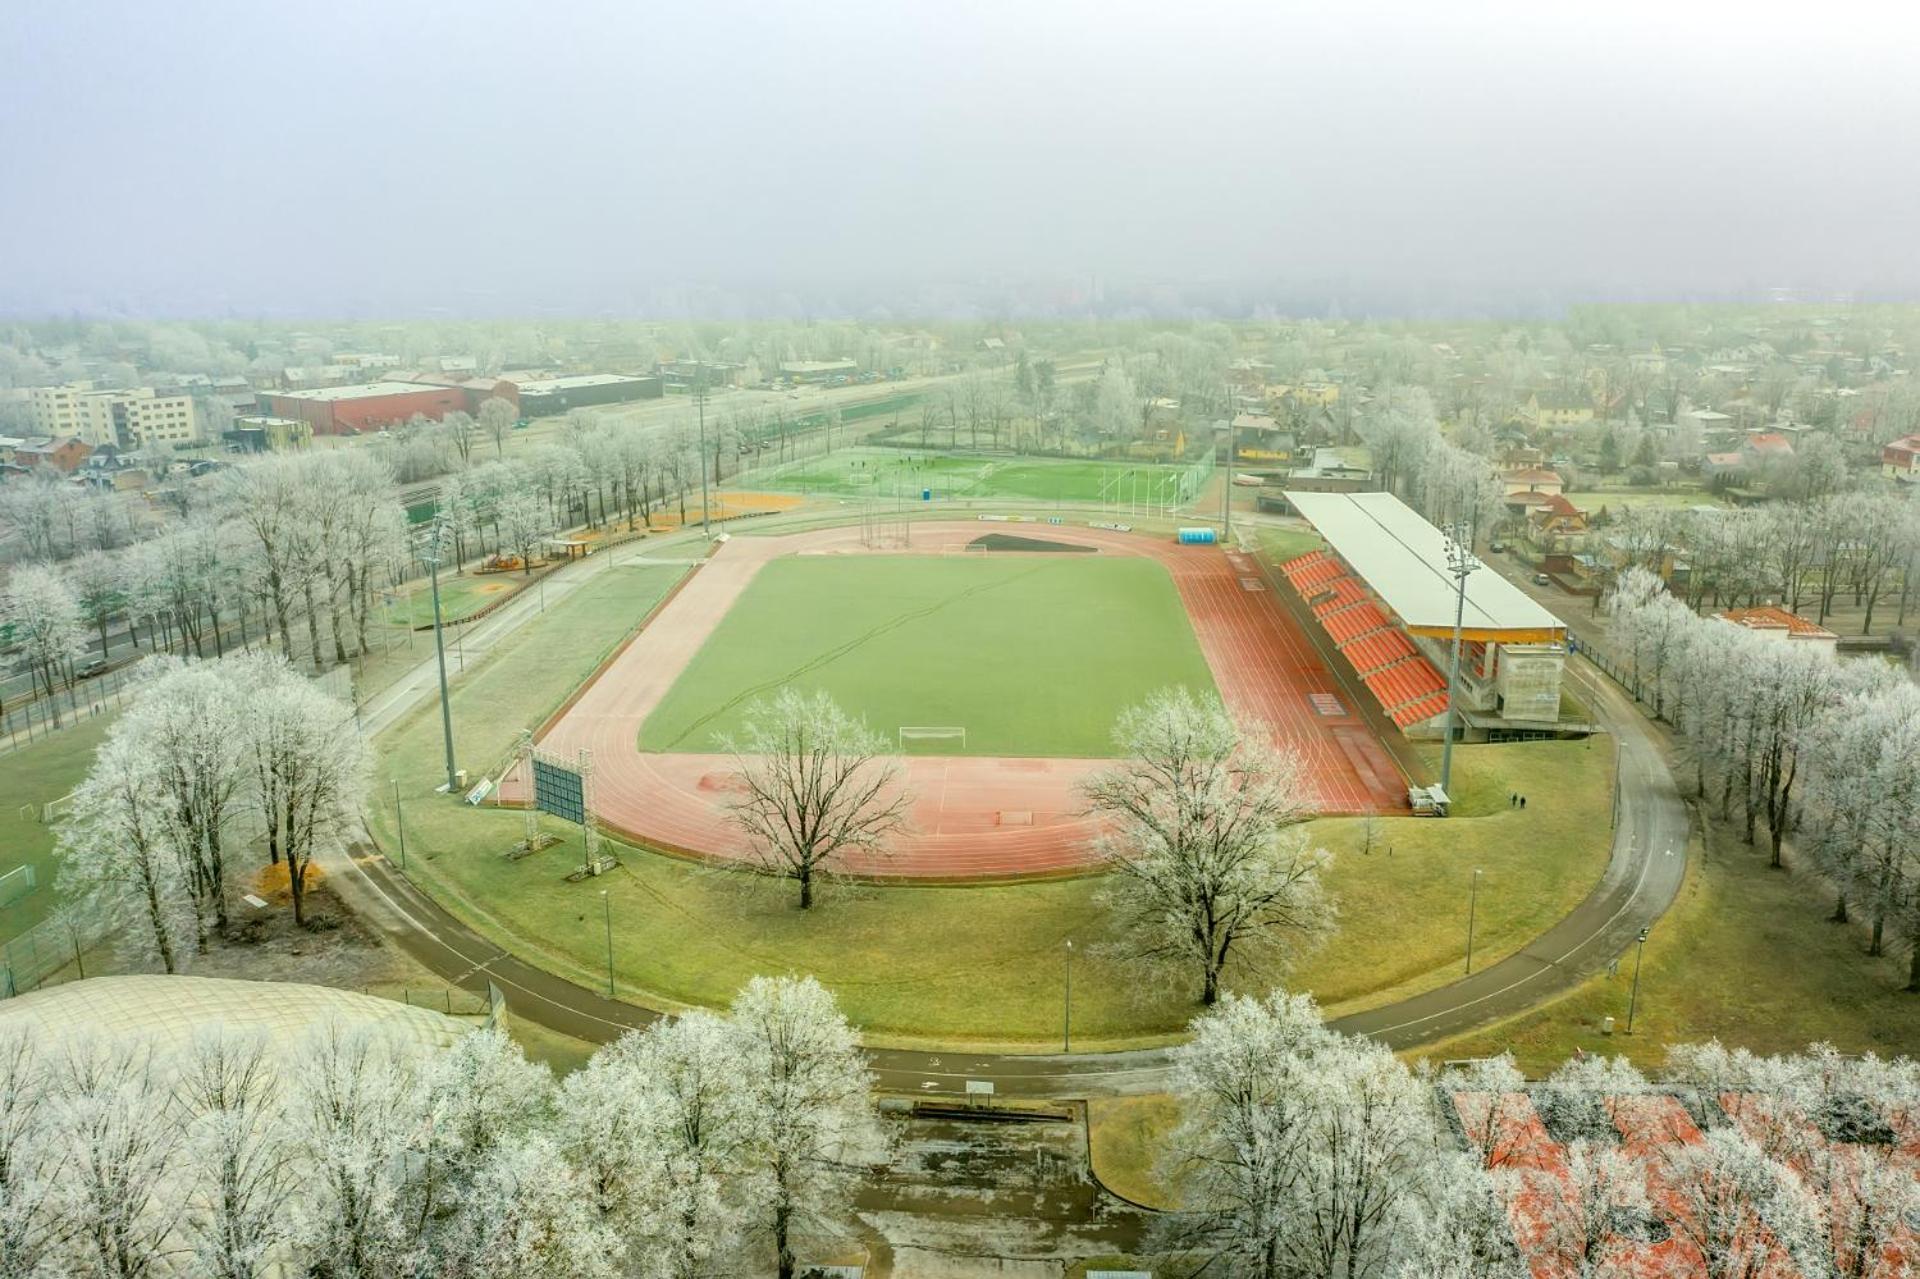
(125, 419)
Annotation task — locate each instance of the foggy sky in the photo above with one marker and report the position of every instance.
(403, 156)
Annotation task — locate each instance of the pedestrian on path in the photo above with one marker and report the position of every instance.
(1523, 801)
(1513, 800)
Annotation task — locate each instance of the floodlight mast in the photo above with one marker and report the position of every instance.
(1461, 564)
(434, 550)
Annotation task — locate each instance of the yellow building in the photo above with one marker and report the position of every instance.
(125, 419)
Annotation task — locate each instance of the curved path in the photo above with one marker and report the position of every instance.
(972, 818)
(1642, 878)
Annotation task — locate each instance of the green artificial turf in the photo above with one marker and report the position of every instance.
(30, 777)
(1034, 655)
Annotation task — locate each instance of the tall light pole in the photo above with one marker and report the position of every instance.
(1066, 1023)
(1634, 998)
(435, 549)
(400, 819)
(1226, 490)
(1473, 903)
(606, 912)
(700, 403)
(1460, 563)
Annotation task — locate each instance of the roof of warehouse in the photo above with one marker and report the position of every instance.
(1404, 559)
(545, 385)
(364, 391)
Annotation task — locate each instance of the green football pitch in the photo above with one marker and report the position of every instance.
(1033, 655)
(907, 474)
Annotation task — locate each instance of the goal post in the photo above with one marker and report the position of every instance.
(54, 810)
(17, 883)
(912, 733)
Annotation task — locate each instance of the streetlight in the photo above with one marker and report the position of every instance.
(606, 911)
(700, 401)
(1473, 902)
(434, 550)
(1460, 563)
(400, 817)
(1066, 1024)
(1634, 997)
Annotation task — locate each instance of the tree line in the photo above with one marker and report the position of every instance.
(1301, 1152)
(702, 1145)
(1787, 739)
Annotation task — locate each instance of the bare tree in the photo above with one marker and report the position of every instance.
(1203, 839)
(815, 787)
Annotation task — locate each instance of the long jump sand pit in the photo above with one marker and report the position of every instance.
(973, 816)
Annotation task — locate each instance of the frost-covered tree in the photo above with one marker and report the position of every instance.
(191, 723)
(307, 765)
(523, 520)
(659, 1126)
(1737, 1213)
(1301, 1151)
(497, 417)
(1116, 405)
(46, 626)
(29, 1213)
(815, 787)
(118, 1177)
(238, 1149)
(1202, 832)
(815, 1130)
(115, 844)
(355, 1112)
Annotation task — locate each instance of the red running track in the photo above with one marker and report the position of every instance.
(972, 818)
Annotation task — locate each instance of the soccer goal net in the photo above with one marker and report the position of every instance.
(17, 883)
(911, 735)
(53, 811)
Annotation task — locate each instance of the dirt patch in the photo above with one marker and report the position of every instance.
(266, 945)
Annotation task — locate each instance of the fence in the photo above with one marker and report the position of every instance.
(29, 721)
(45, 949)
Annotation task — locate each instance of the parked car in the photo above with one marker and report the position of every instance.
(1541, 579)
(1496, 547)
(98, 666)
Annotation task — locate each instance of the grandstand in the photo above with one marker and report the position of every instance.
(1382, 592)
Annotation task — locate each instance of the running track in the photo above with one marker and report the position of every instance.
(972, 818)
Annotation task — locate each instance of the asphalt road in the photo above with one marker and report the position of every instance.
(1641, 880)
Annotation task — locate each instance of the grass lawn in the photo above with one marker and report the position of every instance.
(1282, 544)
(1033, 655)
(908, 472)
(1403, 905)
(1746, 956)
(977, 965)
(1124, 1138)
(459, 596)
(41, 772)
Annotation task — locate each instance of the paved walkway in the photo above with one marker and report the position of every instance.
(1641, 880)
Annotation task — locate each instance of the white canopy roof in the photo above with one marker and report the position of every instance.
(1404, 560)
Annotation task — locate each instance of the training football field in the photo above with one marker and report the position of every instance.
(1032, 655)
(907, 473)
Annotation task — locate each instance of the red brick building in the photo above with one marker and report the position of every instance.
(349, 410)
(64, 453)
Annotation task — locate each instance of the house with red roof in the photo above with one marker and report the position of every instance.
(1763, 447)
(1533, 479)
(1900, 460)
(1779, 624)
